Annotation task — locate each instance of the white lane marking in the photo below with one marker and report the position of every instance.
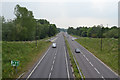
(91, 64)
(55, 54)
(52, 68)
(20, 76)
(49, 76)
(81, 53)
(87, 59)
(53, 61)
(97, 71)
(84, 55)
(54, 57)
(37, 64)
(67, 64)
(101, 62)
(103, 78)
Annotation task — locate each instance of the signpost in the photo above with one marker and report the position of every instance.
(15, 64)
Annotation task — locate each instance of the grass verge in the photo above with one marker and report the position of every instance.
(74, 66)
(0, 59)
(109, 53)
(25, 52)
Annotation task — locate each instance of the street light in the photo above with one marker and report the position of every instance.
(36, 32)
(101, 35)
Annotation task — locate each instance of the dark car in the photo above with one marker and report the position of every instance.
(77, 50)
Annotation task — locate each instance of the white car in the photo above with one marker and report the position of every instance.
(54, 45)
(77, 50)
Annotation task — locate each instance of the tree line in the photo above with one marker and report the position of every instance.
(25, 27)
(95, 31)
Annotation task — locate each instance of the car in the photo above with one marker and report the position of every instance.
(77, 50)
(54, 45)
(72, 39)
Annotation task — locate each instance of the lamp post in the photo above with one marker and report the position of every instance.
(36, 32)
(101, 35)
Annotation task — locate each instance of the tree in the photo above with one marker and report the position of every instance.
(26, 21)
(25, 27)
(113, 33)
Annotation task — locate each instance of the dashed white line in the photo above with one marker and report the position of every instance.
(101, 62)
(97, 71)
(52, 68)
(52, 65)
(87, 59)
(103, 78)
(91, 64)
(84, 55)
(53, 61)
(81, 53)
(49, 76)
(54, 57)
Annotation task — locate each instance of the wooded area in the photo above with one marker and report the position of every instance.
(25, 27)
(95, 31)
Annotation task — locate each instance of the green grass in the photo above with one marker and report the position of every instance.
(76, 72)
(109, 53)
(0, 59)
(25, 52)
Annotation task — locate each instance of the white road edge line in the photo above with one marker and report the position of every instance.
(97, 71)
(101, 62)
(20, 76)
(37, 64)
(67, 64)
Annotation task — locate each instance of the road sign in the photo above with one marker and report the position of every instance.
(15, 63)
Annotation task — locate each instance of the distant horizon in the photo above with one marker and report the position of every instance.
(69, 14)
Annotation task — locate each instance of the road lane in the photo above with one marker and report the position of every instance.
(54, 64)
(91, 66)
(87, 70)
(44, 67)
(100, 66)
(60, 69)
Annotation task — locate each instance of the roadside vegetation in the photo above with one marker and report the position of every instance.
(74, 66)
(95, 31)
(90, 38)
(109, 53)
(0, 59)
(25, 52)
(24, 27)
(18, 40)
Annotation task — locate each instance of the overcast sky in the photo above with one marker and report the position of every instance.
(65, 13)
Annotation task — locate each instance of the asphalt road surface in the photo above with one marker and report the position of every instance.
(54, 63)
(91, 66)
